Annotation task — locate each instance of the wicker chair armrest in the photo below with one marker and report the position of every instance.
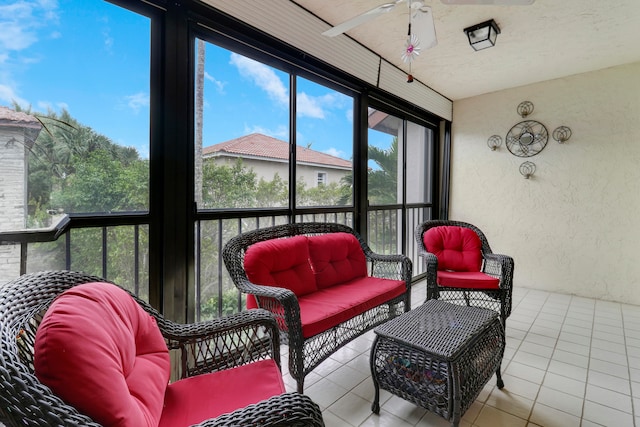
(223, 343)
(428, 258)
(282, 303)
(397, 267)
(500, 266)
(430, 261)
(285, 410)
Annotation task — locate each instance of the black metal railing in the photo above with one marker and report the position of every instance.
(119, 251)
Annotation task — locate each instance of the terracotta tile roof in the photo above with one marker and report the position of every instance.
(9, 117)
(259, 145)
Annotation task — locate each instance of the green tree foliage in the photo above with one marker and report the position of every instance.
(383, 181)
(237, 186)
(101, 183)
(332, 194)
(83, 170)
(73, 169)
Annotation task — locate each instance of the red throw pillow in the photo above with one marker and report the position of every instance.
(283, 263)
(457, 248)
(336, 258)
(99, 351)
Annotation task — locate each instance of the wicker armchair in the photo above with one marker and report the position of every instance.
(26, 401)
(306, 353)
(494, 265)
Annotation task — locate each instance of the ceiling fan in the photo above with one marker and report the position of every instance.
(421, 33)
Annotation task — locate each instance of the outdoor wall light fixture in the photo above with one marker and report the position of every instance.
(494, 142)
(483, 35)
(527, 169)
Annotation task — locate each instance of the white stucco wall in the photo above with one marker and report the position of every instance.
(575, 226)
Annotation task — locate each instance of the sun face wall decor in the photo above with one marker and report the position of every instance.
(528, 138)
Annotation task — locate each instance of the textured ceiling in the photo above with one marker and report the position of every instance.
(546, 40)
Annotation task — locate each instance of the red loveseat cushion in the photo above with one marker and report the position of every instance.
(281, 262)
(336, 258)
(457, 248)
(102, 353)
(467, 279)
(329, 307)
(195, 399)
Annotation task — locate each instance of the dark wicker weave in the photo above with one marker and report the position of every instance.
(438, 356)
(500, 266)
(306, 354)
(202, 347)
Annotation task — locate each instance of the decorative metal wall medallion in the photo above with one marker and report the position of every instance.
(527, 138)
(494, 142)
(525, 108)
(562, 134)
(527, 169)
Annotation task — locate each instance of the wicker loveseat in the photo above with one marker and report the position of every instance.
(33, 309)
(323, 284)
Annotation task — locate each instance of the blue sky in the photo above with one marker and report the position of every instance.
(92, 58)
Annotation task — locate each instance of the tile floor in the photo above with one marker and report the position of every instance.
(569, 361)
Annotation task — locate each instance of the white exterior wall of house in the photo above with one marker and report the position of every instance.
(268, 168)
(13, 191)
(574, 226)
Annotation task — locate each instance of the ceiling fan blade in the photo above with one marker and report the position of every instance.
(423, 28)
(494, 2)
(361, 19)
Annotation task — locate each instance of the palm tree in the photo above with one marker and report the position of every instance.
(199, 113)
(383, 182)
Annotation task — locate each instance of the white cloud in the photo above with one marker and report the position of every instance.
(108, 40)
(9, 96)
(218, 84)
(46, 106)
(281, 132)
(335, 152)
(263, 77)
(317, 106)
(137, 101)
(20, 20)
(349, 114)
(309, 106)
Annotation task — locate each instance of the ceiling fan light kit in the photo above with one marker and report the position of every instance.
(421, 34)
(483, 35)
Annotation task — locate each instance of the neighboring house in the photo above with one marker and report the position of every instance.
(268, 156)
(18, 131)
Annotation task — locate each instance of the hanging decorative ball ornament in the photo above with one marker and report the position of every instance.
(411, 49)
(525, 108)
(561, 134)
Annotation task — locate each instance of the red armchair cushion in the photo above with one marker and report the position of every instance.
(336, 258)
(329, 307)
(281, 262)
(193, 400)
(102, 353)
(467, 279)
(457, 248)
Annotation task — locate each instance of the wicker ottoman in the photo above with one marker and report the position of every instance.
(438, 356)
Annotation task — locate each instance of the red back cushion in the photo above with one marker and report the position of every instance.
(281, 262)
(336, 258)
(457, 248)
(101, 353)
